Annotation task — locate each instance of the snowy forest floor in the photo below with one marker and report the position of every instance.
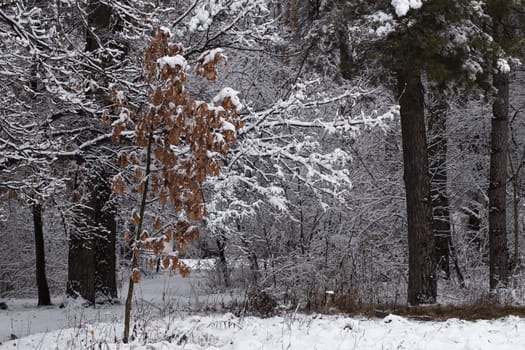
(177, 313)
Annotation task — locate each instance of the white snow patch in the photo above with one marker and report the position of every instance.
(403, 6)
(227, 126)
(473, 68)
(385, 22)
(165, 30)
(232, 94)
(503, 66)
(209, 56)
(173, 62)
(123, 117)
(201, 21)
(381, 17)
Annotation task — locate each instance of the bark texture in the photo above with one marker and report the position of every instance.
(41, 280)
(498, 254)
(421, 262)
(92, 258)
(105, 241)
(81, 261)
(437, 155)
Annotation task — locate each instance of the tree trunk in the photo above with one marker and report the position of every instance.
(223, 264)
(99, 20)
(346, 64)
(81, 255)
(516, 226)
(497, 186)
(291, 14)
(103, 211)
(41, 279)
(92, 259)
(498, 259)
(421, 262)
(105, 239)
(437, 154)
(135, 254)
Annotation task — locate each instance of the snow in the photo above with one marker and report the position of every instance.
(381, 17)
(123, 117)
(227, 126)
(166, 30)
(209, 56)
(173, 62)
(472, 68)
(385, 22)
(201, 21)
(403, 6)
(166, 316)
(23, 318)
(503, 66)
(232, 94)
(291, 331)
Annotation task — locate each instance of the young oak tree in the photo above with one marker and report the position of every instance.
(180, 141)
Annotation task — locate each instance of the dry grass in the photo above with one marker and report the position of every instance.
(477, 311)
(485, 307)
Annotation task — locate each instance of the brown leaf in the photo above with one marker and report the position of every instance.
(192, 234)
(122, 159)
(169, 234)
(144, 235)
(166, 262)
(157, 225)
(136, 253)
(138, 174)
(118, 184)
(184, 269)
(135, 218)
(135, 276)
(105, 119)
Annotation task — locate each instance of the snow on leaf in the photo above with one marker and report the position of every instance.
(209, 56)
(227, 126)
(173, 62)
(228, 93)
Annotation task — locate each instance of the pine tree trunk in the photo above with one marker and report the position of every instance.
(437, 154)
(497, 186)
(515, 222)
(498, 259)
(421, 262)
(41, 279)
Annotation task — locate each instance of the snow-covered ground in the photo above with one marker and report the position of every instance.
(156, 295)
(294, 331)
(164, 319)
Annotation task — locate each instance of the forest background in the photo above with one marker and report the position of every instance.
(378, 152)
